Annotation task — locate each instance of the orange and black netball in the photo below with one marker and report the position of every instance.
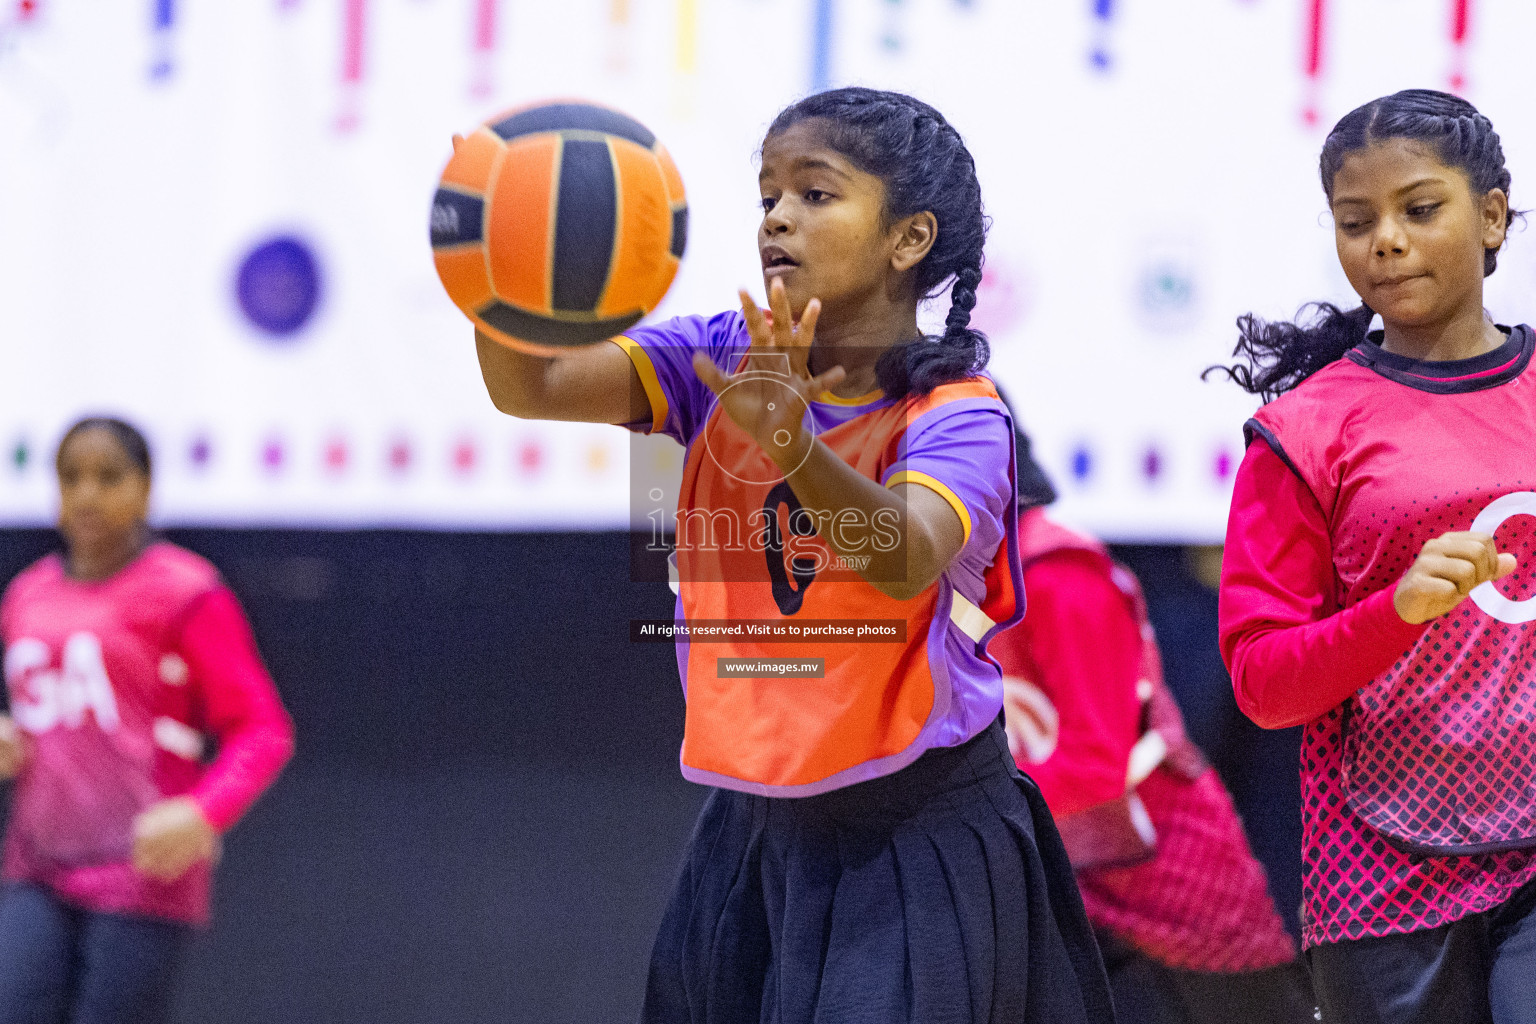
(558, 225)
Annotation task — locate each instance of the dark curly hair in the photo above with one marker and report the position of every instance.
(1280, 355)
(925, 166)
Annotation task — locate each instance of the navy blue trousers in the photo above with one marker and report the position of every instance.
(1479, 970)
(63, 965)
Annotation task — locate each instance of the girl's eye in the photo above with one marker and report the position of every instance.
(1353, 225)
(768, 203)
(1423, 209)
(816, 195)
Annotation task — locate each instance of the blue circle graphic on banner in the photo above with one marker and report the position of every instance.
(278, 286)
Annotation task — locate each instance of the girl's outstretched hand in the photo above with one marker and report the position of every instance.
(13, 751)
(171, 836)
(1446, 571)
(768, 396)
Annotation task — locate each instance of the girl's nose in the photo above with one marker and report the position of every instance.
(1390, 238)
(776, 221)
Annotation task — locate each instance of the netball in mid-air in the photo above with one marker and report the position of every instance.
(558, 225)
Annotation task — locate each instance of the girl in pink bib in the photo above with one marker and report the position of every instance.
(1377, 580)
(124, 656)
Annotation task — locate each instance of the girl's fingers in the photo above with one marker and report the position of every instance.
(806, 334)
(1459, 572)
(783, 320)
(1440, 588)
(775, 329)
(1507, 564)
(792, 337)
(1477, 548)
(786, 333)
(827, 381)
(1489, 568)
(712, 376)
(758, 327)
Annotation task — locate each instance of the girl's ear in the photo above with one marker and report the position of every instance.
(914, 236)
(1495, 218)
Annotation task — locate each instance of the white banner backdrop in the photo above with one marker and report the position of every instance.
(213, 220)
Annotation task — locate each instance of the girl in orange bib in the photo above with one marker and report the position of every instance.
(846, 549)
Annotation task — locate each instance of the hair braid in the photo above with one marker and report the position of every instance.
(924, 165)
(962, 299)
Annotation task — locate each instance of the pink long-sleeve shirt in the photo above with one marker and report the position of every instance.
(1418, 760)
(119, 684)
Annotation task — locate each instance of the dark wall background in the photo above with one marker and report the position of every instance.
(484, 816)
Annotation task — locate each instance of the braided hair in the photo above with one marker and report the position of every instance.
(1281, 355)
(925, 166)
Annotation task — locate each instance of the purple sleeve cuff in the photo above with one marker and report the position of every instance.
(662, 355)
(962, 452)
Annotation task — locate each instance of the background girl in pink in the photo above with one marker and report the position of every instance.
(1377, 579)
(1176, 898)
(121, 655)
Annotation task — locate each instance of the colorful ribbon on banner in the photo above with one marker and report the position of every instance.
(1461, 24)
(354, 24)
(1312, 60)
(487, 16)
(892, 37)
(483, 80)
(1314, 52)
(686, 52)
(163, 20)
(821, 45)
(1103, 17)
(618, 35)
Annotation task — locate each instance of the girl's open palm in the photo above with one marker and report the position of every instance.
(768, 395)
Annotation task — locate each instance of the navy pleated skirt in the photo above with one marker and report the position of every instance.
(938, 894)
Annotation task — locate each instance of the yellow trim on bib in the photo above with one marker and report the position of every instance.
(648, 379)
(912, 476)
(830, 399)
